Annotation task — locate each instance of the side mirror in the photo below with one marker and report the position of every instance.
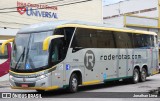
(47, 41)
(4, 43)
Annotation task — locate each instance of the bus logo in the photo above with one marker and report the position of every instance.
(89, 60)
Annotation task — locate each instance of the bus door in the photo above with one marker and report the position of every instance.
(56, 57)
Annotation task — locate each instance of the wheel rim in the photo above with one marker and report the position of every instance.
(74, 83)
(143, 75)
(136, 76)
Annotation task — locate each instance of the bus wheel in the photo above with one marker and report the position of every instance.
(143, 75)
(135, 78)
(73, 83)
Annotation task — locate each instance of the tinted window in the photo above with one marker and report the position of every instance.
(67, 32)
(105, 39)
(143, 41)
(59, 46)
(152, 41)
(123, 40)
(91, 38)
(83, 38)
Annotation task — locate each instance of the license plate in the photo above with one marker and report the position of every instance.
(24, 85)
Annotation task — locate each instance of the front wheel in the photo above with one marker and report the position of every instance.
(135, 78)
(73, 83)
(143, 75)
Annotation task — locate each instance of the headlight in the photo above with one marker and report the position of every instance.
(42, 76)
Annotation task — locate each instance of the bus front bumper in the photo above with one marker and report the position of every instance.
(38, 83)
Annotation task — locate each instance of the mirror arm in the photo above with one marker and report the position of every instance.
(47, 40)
(4, 43)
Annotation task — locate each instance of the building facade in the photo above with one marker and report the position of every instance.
(15, 14)
(138, 14)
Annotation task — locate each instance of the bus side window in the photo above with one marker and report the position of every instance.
(81, 38)
(54, 55)
(68, 33)
(105, 39)
(123, 40)
(56, 51)
(138, 41)
(143, 41)
(155, 40)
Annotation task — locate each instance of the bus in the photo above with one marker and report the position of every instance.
(5, 59)
(69, 54)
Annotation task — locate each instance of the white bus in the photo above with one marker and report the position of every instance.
(66, 54)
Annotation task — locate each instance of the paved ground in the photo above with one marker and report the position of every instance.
(4, 78)
(96, 92)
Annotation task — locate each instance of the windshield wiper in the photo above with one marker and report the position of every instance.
(27, 55)
(21, 56)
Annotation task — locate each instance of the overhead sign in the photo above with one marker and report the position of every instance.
(18, 13)
(36, 10)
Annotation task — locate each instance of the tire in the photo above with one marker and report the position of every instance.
(143, 75)
(73, 83)
(136, 76)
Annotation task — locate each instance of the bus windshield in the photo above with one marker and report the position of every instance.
(27, 51)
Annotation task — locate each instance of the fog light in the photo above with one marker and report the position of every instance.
(42, 76)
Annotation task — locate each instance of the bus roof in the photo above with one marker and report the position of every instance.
(46, 26)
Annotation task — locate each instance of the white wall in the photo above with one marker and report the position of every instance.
(86, 11)
(90, 11)
(8, 31)
(116, 21)
(128, 6)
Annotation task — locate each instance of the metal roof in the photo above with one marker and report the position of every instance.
(46, 26)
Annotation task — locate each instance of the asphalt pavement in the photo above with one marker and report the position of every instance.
(111, 91)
